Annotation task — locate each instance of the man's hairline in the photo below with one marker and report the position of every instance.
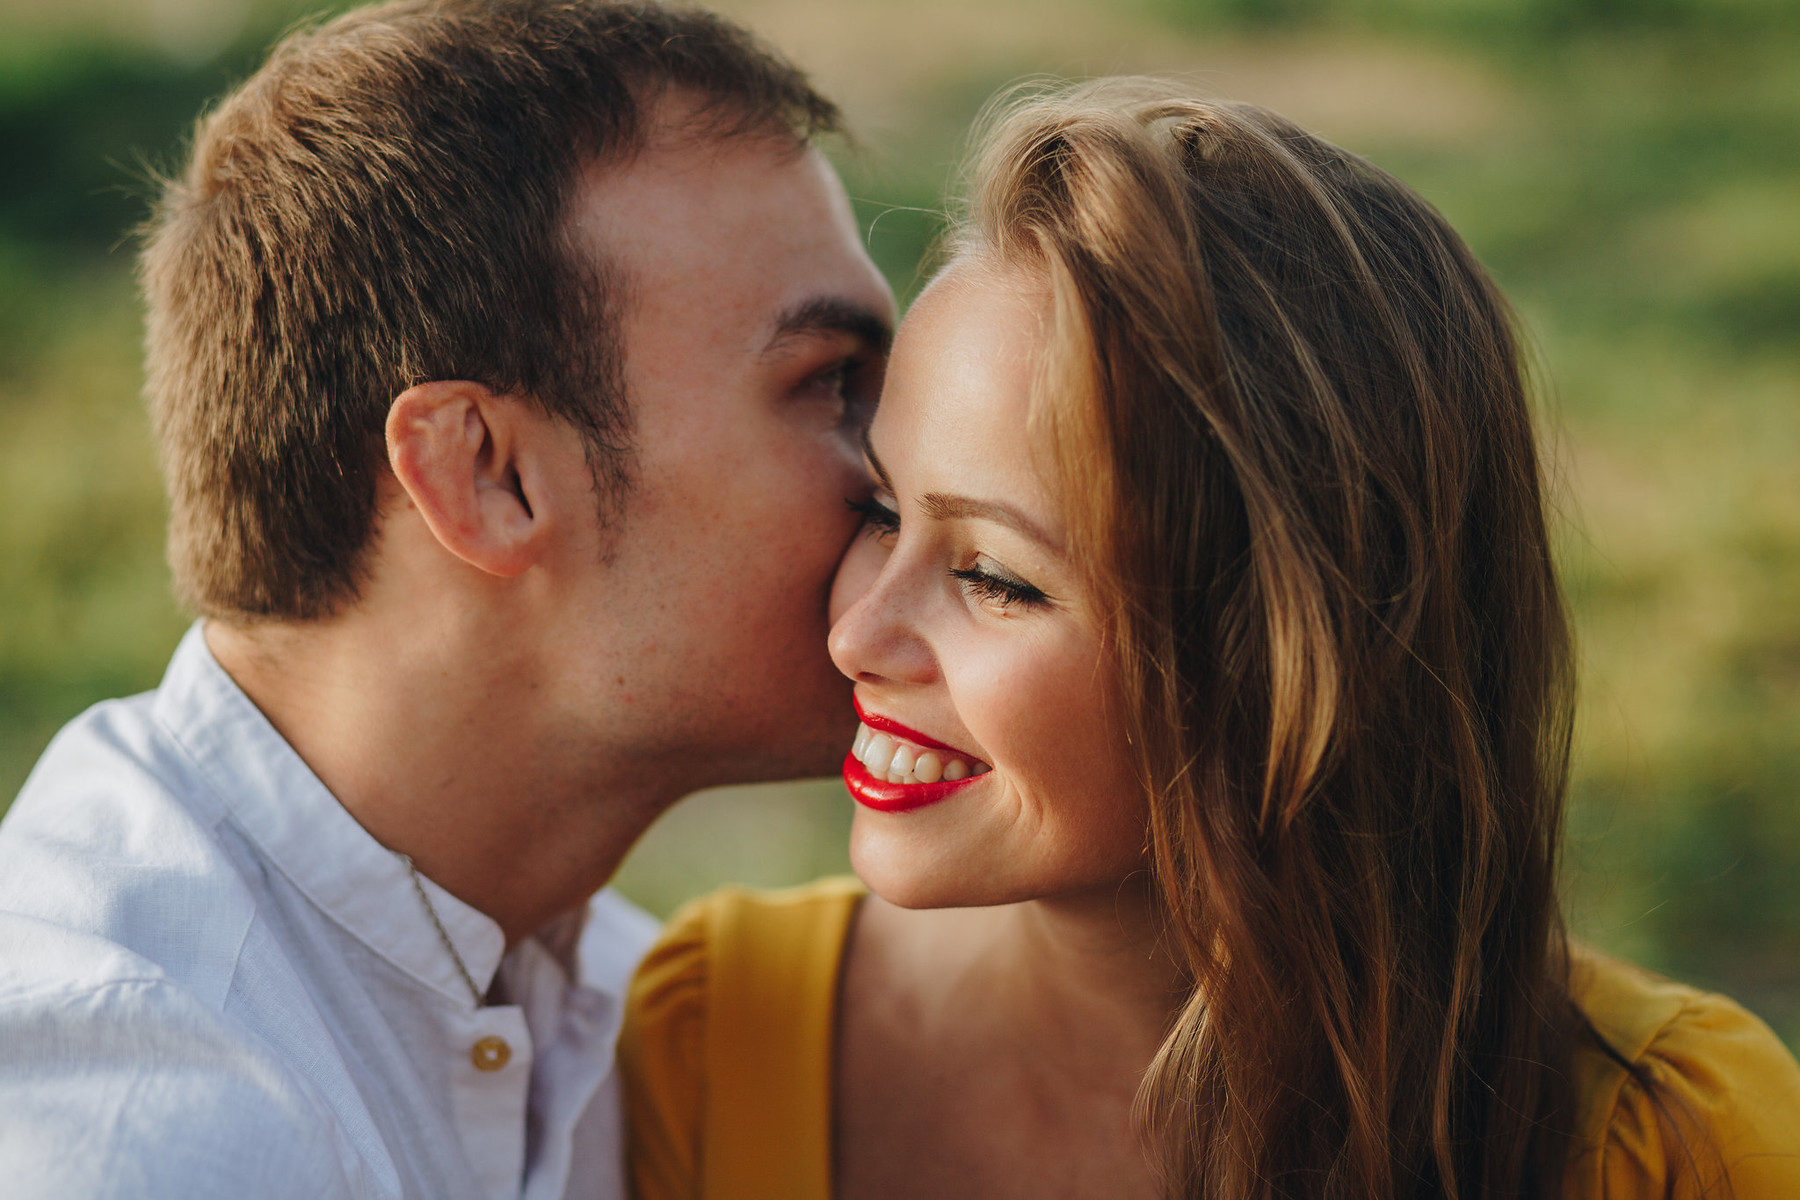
(612, 284)
(708, 123)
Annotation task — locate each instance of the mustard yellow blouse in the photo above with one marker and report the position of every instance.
(727, 1060)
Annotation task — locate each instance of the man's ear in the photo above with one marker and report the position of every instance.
(462, 453)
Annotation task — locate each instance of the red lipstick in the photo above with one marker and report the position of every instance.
(883, 796)
(881, 724)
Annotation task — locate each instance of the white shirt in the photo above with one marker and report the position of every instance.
(215, 984)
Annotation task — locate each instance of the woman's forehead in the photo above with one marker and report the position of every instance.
(955, 412)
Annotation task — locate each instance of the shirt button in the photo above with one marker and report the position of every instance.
(490, 1054)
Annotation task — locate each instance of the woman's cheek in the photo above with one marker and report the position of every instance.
(1028, 697)
(1049, 717)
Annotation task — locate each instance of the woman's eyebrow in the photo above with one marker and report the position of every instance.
(946, 506)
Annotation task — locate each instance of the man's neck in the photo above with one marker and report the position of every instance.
(450, 759)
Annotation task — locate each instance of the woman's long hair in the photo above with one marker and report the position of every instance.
(1288, 409)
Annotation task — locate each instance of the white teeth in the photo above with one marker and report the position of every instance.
(887, 757)
(879, 753)
(904, 758)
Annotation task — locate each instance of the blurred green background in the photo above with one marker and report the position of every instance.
(1630, 169)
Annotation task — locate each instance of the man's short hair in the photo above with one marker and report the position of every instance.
(382, 204)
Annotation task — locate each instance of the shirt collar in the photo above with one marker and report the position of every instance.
(267, 791)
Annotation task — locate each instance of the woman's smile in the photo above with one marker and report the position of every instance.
(892, 768)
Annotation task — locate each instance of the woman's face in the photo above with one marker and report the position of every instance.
(992, 765)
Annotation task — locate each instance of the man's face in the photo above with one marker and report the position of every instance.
(755, 330)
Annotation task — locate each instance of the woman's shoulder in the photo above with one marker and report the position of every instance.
(1726, 1093)
(742, 929)
(763, 949)
(726, 1050)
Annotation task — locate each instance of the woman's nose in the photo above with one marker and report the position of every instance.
(856, 573)
(876, 632)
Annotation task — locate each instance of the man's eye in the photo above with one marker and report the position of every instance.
(847, 379)
(854, 385)
(879, 520)
(836, 380)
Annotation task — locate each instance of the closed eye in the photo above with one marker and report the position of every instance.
(879, 521)
(855, 383)
(996, 587)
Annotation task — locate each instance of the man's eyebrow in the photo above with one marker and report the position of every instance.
(832, 314)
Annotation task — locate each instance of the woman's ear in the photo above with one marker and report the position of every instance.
(460, 451)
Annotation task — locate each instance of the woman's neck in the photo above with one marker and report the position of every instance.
(1087, 980)
(998, 1052)
(1092, 973)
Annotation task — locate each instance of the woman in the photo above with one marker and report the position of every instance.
(1214, 686)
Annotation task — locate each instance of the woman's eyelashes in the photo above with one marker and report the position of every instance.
(988, 583)
(880, 520)
(985, 581)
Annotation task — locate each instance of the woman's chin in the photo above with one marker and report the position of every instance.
(913, 872)
(899, 881)
(894, 856)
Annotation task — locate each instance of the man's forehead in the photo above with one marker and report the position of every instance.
(744, 225)
(695, 185)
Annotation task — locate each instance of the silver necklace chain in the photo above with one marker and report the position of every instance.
(436, 923)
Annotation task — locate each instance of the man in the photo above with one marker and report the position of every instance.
(507, 361)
